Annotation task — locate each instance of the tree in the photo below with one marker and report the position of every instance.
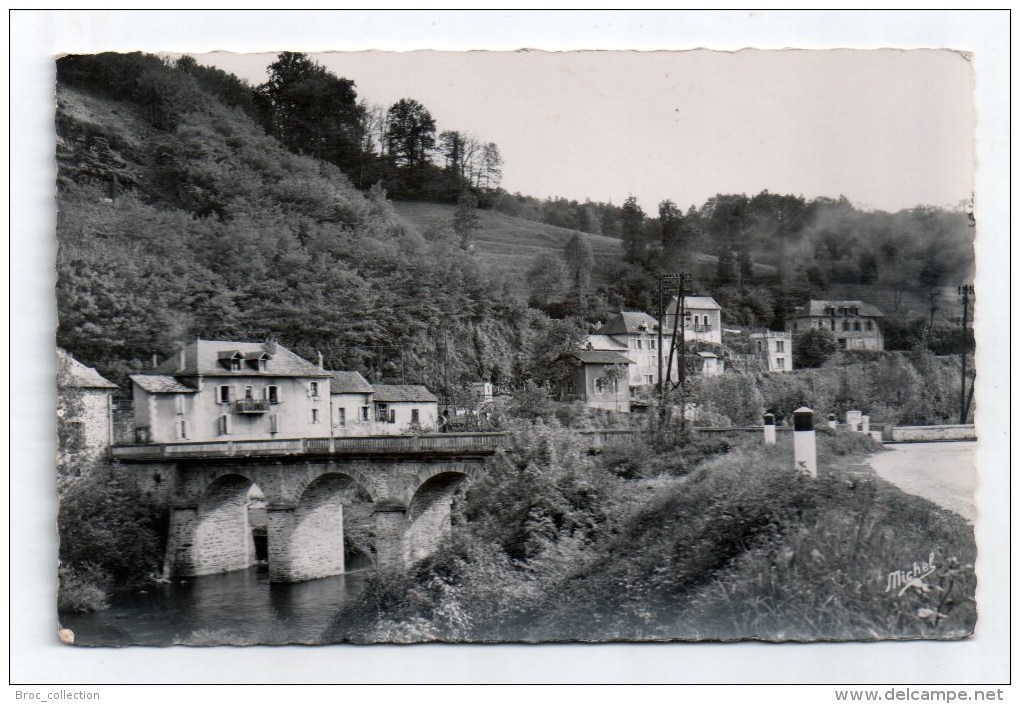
(632, 219)
(547, 279)
(492, 167)
(580, 261)
(312, 111)
(811, 348)
(411, 133)
(465, 219)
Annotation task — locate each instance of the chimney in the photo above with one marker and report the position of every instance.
(155, 360)
(182, 363)
(271, 345)
(318, 359)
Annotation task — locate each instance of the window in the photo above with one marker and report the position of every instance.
(649, 380)
(262, 364)
(415, 416)
(364, 413)
(393, 416)
(651, 344)
(235, 364)
(780, 363)
(249, 392)
(867, 325)
(178, 404)
(313, 388)
(795, 324)
(182, 429)
(223, 393)
(857, 326)
(599, 384)
(759, 346)
(639, 345)
(570, 386)
(780, 345)
(273, 394)
(315, 415)
(705, 318)
(341, 417)
(224, 424)
(274, 423)
(381, 412)
(832, 325)
(846, 326)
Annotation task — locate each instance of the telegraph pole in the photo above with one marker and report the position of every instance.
(679, 283)
(965, 292)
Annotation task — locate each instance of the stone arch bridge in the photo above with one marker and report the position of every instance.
(324, 505)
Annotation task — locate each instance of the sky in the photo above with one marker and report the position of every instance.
(888, 129)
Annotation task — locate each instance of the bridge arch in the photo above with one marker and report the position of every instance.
(328, 531)
(429, 513)
(222, 532)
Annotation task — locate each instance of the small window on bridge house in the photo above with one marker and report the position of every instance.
(179, 404)
(273, 394)
(313, 388)
(182, 429)
(867, 325)
(382, 413)
(224, 394)
(249, 392)
(857, 326)
(274, 423)
(341, 417)
(393, 416)
(364, 413)
(315, 415)
(415, 416)
(235, 364)
(225, 424)
(780, 345)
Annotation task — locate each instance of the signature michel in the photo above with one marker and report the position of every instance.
(905, 579)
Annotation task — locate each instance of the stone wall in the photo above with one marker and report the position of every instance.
(933, 433)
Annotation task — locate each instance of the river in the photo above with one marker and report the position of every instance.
(236, 608)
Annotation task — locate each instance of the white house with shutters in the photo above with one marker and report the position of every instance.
(222, 390)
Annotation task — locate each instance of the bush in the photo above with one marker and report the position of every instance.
(81, 588)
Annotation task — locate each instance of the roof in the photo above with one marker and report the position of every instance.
(348, 383)
(161, 384)
(605, 342)
(630, 323)
(73, 374)
(396, 393)
(203, 358)
(600, 357)
(708, 355)
(817, 309)
(694, 303)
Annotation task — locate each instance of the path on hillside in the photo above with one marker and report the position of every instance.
(942, 472)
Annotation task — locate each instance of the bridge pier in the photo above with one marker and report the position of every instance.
(180, 544)
(390, 534)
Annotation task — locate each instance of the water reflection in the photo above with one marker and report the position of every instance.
(238, 607)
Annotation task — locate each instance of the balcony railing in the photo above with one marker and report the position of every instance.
(252, 405)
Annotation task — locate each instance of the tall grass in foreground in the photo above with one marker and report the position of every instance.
(742, 546)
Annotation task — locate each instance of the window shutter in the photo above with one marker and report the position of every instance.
(225, 424)
(393, 416)
(265, 393)
(274, 423)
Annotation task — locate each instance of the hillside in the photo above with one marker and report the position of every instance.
(510, 244)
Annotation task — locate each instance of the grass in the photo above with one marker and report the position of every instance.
(508, 243)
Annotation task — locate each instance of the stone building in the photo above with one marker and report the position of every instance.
(223, 390)
(84, 410)
(774, 349)
(635, 336)
(703, 321)
(589, 383)
(401, 408)
(856, 325)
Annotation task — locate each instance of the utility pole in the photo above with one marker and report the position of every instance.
(965, 292)
(678, 282)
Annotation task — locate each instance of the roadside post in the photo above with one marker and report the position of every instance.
(805, 453)
(854, 420)
(769, 424)
(866, 424)
(832, 420)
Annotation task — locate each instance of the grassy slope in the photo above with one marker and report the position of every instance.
(510, 244)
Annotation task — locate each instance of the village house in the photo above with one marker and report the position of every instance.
(635, 336)
(774, 349)
(591, 381)
(703, 320)
(220, 390)
(855, 324)
(85, 410)
(351, 404)
(401, 408)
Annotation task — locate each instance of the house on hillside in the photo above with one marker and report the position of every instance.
(774, 349)
(591, 382)
(855, 324)
(84, 409)
(220, 390)
(634, 335)
(703, 320)
(399, 408)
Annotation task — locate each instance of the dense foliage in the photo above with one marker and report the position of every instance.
(686, 543)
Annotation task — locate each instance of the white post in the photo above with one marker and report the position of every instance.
(853, 421)
(805, 455)
(769, 424)
(866, 424)
(832, 420)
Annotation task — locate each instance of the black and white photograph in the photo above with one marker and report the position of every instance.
(516, 347)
